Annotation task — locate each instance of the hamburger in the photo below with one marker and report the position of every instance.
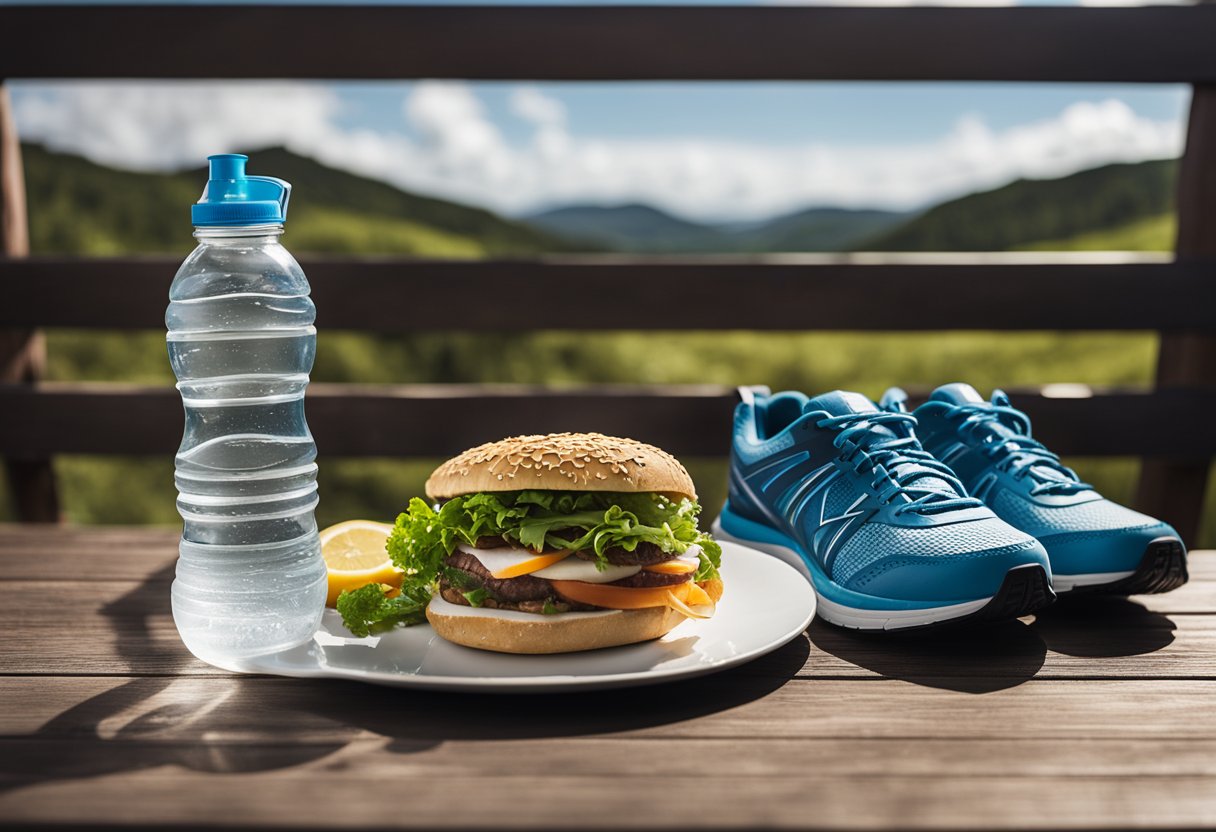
(553, 544)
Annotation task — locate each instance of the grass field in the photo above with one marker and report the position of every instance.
(1149, 234)
(140, 491)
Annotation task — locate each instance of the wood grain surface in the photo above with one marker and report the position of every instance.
(1094, 715)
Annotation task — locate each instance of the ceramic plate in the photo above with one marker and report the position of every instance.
(765, 604)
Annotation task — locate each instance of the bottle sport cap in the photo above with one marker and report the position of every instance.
(232, 198)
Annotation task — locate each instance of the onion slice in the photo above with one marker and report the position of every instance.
(697, 611)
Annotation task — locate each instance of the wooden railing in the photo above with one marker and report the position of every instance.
(1175, 296)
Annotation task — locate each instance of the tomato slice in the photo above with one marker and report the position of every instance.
(687, 598)
(531, 565)
(612, 597)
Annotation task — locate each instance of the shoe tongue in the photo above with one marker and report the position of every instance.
(961, 393)
(843, 403)
(956, 393)
(840, 403)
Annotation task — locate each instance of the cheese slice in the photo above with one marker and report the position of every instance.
(531, 565)
(682, 565)
(513, 563)
(501, 560)
(577, 569)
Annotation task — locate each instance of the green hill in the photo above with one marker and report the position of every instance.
(1030, 212)
(817, 229)
(81, 207)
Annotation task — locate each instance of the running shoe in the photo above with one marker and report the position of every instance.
(1094, 545)
(845, 493)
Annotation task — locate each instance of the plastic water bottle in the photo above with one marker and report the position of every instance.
(250, 577)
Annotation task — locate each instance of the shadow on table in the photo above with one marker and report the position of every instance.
(972, 660)
(1103, 627)
(225, 723)
(415, 720)
(984, 659)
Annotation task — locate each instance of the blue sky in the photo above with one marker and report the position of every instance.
(782, 112)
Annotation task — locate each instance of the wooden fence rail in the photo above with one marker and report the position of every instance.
(1175, 296)
(611, 43)
(441, 420)
(789, 292)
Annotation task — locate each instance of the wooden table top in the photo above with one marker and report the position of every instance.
(1093, 715)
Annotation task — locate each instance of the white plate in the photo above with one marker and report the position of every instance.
(764, 605)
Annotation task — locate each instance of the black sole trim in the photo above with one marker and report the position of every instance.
(1025, 590)
(1161, 569)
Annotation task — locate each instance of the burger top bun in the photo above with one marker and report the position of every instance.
(561, 462)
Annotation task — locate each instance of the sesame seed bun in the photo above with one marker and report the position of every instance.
(562, 462)
(508, 631)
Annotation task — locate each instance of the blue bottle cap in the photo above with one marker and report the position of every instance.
(232, 198)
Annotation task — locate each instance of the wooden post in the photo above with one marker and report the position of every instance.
(1174, 489)
(23, 351)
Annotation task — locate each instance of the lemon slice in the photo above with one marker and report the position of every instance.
(355, 556)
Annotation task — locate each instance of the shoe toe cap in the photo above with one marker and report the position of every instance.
(948, 578)
(1099, 552)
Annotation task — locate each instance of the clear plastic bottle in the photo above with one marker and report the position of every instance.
(250, 577)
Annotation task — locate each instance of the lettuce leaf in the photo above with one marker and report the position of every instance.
(369, 610)
(596, 520)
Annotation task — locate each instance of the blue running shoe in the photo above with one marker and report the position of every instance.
(1094, 545)
(886, 534)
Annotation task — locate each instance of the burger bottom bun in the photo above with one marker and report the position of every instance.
(510, 631)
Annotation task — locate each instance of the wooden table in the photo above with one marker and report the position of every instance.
(1094, 715)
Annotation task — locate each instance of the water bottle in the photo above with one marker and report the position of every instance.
(250, 577)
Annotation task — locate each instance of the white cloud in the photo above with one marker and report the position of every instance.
(542, 110)
(452, 148)
(163, 126)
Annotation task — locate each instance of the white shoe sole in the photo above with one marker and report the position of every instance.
(853, 617)
(1066, 583)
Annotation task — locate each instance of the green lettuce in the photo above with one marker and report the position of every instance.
(597, 521)
(369, 610)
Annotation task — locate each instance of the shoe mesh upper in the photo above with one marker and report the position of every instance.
(1094, 516)
(841, 495)
(874, 541)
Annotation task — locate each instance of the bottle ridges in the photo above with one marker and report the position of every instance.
(241, 341)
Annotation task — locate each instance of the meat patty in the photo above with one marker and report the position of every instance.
(647, 579)
(529, 593)
(490, 542)
(646, 554)
(556, 604)
(523, 588)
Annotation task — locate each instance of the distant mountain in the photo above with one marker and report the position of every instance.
(817, 229)
(1028, 212)
(628, 228)
(77, 206)
(637, 227)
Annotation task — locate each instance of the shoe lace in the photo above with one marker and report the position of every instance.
(897, 463)
(1020, 454)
